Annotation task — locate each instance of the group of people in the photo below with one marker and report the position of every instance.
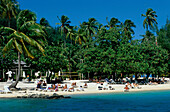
(131, 85)
(73, 87)
(43, 85)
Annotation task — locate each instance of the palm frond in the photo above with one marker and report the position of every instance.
(18, 47)
(26, 50)
(8, 46)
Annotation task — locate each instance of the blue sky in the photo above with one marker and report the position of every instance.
(80, 10)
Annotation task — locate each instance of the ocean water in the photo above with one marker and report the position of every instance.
(148, 101)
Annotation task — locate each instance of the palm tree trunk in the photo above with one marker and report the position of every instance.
(70, 70)
(13, 85)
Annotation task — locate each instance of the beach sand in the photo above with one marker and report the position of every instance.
(92, 89)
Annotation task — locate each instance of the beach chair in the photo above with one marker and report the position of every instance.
(112, 81)
(107, 80)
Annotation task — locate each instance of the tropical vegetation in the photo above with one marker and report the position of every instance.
(92, 49)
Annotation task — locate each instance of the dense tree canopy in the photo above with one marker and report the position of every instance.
(90, 48)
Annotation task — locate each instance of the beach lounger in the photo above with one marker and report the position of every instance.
(107, 80)
(110, 81)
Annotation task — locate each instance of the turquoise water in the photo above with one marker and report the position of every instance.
(153, 101)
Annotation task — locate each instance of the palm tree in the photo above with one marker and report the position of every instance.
(8, 9)
(90, 27)
(114, 22)
(127, 28)
(28, 33)
(44, 22)
(64, 22)
(150, 19)
(101, 31)
(71, 31)
(80, 36)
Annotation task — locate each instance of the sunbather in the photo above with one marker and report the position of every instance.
(44, 83)
(85, 85)
(126, 88)
(65, 88)
(71, 89)
(39, 84)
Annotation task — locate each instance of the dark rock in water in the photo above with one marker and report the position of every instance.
(34, 96)
(67, 97)
(46, 96)
(24, 97)
(19, 97)
(42, 96)
(61, 96)
(54, 96)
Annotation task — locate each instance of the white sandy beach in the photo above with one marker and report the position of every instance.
(92, 89)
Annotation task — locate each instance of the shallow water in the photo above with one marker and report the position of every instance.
(148, 101)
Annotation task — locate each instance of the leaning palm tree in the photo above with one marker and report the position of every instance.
(28, 32)
(8, 9)
(150, 19)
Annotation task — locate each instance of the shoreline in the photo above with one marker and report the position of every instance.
(92, 90)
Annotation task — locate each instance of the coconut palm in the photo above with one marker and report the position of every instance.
(101, 31)
(127, 27)
(8, 9)
(80, 36)
(90, 27)
(114, 22)
(45, 26)
(28, 33)
(150, 19)
(64, 22)
(71, 32)
(44, 22)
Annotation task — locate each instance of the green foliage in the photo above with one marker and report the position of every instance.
(164, 36)
(150, 19)
(88, 48)
(7, 60)
(26, 33)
